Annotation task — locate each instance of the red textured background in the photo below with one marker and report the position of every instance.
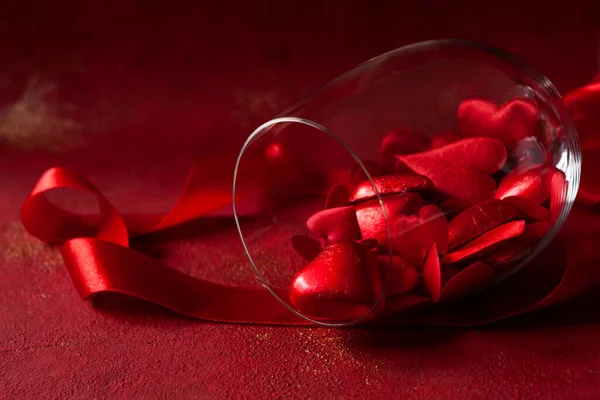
(131, 94)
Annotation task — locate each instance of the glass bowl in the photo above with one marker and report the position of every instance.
(421, 176)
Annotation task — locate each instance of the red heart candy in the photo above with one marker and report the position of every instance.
(338, 196)
(401, 141)
(486, 242)
(477, 220)
(434, 220)
(468, 281)
(371, 219)
(391, 184)
(335, 224)
(444, 139)
(358, 175)
(400, 277)
(341, 283)
(413, 236)
(432, 275)
(306, 247)
(516, 248)
(558, 189)
(533, 185)
(527, 208)
(461, 169)
(514, 121)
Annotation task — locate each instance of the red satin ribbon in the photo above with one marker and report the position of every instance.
(98, 258)
(97, 254)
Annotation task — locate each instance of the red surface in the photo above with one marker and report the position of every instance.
(181, 79)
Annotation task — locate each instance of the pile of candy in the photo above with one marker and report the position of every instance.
(463, 207)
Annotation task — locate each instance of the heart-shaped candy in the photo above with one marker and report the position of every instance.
(461, 169)
(527, 208)
(371, 219)
(511, 123)
(400, 275)
(486, 242)
(401, 141)
(533, 184)
(414, 235)
(467, 281)
(335, 224)
(432, 274)
(558, 190)
(477, 220)
(392, 184)
(341, 283)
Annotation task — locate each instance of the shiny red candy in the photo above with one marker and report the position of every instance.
(511, 123)
(477, 220)
(371, 219)
(486, 242)
(462, 169)
(432, 274)
(533, 185)
(392, 184)
(400, 275)
(467, 281)
(527, 209)
(463, 208)
(413, 236)
(558, 188)
(335, 224)
(342, 282)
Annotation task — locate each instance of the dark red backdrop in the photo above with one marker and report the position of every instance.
(125, 90)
